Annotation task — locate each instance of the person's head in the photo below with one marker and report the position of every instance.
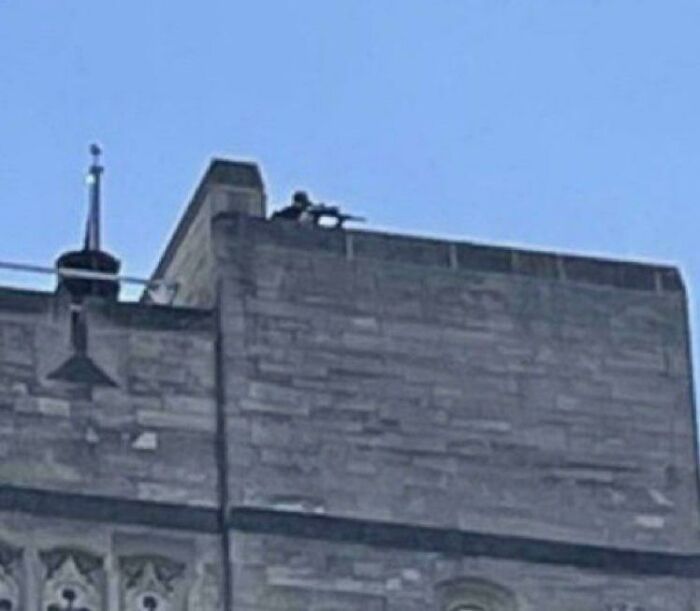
(300, 199)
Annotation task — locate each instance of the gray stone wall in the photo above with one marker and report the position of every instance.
(274, 573)
(398, 421)
(424, 382)
(149, 436)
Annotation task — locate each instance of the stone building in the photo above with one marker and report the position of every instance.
(337, 420)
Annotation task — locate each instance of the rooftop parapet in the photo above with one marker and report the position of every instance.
(232, 188)
(469, 256)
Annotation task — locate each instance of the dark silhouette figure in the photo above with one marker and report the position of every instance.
(297, 209)
(302, 209)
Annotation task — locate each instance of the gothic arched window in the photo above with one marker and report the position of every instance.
(471, 594)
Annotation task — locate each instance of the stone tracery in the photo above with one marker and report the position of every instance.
(151, 583)
(9, 577)
(73, 581)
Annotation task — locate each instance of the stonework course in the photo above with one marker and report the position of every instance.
(336, 420)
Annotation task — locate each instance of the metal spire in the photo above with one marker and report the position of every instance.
(94, 178)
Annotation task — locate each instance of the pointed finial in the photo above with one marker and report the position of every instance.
(95, 151)
(91, 258)
(92, 229)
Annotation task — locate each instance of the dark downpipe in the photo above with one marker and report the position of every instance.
(221, 457)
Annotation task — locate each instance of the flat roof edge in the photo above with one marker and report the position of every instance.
(468, 255)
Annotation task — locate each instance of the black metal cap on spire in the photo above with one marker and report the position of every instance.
(91, 258)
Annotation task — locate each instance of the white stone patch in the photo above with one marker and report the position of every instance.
(298, 505)
(91, 436)
(410, 575)
(494, 426)
(19, 388)
(368, 323)
(647, 521)
(617, 497)
(53, 407)
(660, 498)
(148, 440)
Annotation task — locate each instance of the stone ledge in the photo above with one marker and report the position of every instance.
(464, 256)
(160, 317)
(609, 560)
(134, 315)
(25, 301)
(93, 508)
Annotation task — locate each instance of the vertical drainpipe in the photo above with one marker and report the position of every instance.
(221, 454)
(232, 187)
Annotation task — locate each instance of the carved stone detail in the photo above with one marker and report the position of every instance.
(151, 583)
(207, 591)
(10, 567)
(73, 581)
(471, 594)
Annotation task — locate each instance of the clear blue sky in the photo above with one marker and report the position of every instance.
(563, 124)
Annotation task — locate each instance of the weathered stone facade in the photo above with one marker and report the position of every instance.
(334, 420)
